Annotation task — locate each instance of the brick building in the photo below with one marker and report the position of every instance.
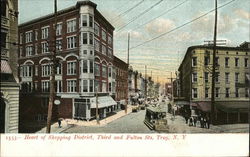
(85, 63)
(9, 107)
(121, 81)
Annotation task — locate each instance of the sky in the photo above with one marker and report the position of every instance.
(160, 30)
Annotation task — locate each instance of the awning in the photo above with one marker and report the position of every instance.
(193, 104)
(103, 101)
(5, 67)
(181, 103)
(233, 106)
(204, 106)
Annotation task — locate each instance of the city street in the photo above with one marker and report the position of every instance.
(132, 123)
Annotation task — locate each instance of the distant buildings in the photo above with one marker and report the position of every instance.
(9, 107)
(232, 81)
(85, 66)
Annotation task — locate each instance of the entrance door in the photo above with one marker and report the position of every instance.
(80, 110)
(2, 115)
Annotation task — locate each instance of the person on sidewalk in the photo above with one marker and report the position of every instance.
(59, 122)
(195, 120)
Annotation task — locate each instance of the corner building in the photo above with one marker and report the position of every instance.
(84, 50)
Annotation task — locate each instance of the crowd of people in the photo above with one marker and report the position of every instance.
(200, 120)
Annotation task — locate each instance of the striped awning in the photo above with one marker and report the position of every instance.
(5, 67)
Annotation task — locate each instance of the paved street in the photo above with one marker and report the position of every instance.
(131, 123)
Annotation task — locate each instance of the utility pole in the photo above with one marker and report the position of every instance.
(52, 78)
(145, 82)
(96, 111)
(213, 70)
(126, 110)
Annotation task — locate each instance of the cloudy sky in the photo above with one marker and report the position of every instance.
(160, 30)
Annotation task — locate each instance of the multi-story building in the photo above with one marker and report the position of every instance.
(231, 80)
(85, 63)
(121, 81)
(9, 107)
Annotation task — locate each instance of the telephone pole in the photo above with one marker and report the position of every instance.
(145, 82)
(213, 70)
(126, 110)
(52, 78)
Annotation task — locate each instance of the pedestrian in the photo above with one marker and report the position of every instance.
(59, 122)
(208, 122)
(191, 121)
(202, 122)
(205, 122)
(195, 120)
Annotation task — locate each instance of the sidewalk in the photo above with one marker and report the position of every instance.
(68, 123)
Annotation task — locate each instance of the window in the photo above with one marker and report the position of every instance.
(85, 38)
(247, 78)
(109, 52)
(20, 38)
(91, 66)
(194, 91)
(90, 38)
(59, 69)
(227, 77)
(28, 36)
(217, 90)
(104, 36)
(45, 47)
(206, 77)
(85, 85)
(45, 86)
(236, 62)
(104, 71)
(84, 20)
(71, 26)
(59, 44)
(97, 85)
(26, 71)
(110, 71)
(97, 28)
(71, 42)
(58, 87)
(45, 33)
(206, 61)
(104, 50)
(97, 45)
(236, 92)
(71, 68)
(71, 85)
(236, 77)
(227, 92)
(97, 69)
(36, 70)
(113, 87)
(90, 21)
(194, 61)
(26, 87)
(246, 62)
(91, 52)
(59, 29)
(36, 35)
(217, 61)
(217, 74)
(226, 62)
(85, 52)
(110, 86)
(113, 73)
(29, 50)
(247, 92)
(104, 87)
(194, 77)
(46, 70)
(110, 40)
(85, 66)
(91, 84)
(206, 92)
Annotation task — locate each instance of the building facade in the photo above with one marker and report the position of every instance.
(231, 81)
(121, 81)
(84, 65)
(9, 115)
